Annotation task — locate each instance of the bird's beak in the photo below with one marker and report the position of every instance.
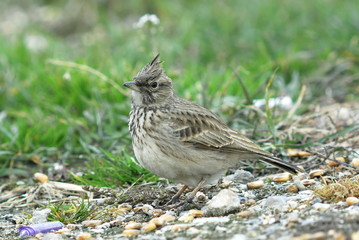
(132, 85)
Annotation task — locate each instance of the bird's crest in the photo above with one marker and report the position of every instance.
(151, 71)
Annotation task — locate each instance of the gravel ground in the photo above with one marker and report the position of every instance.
(273, 210)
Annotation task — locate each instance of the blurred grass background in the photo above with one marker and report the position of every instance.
(51, 113)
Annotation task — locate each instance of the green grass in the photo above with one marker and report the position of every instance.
(72, 212)
(50, 111)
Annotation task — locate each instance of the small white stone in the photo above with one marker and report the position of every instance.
(206, 220)
(321, 207)
(278, 203)
(225, 201)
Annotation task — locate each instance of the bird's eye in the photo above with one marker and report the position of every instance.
(154, 84)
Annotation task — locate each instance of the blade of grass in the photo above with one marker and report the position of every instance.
(89, 70)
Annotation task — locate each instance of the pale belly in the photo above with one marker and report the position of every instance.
(181, 164)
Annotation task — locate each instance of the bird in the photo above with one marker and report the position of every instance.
(182, 141)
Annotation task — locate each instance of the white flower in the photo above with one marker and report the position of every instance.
(151, 18)
(284, 103)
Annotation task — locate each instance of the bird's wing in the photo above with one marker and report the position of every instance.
(200, 128)
(203, 129)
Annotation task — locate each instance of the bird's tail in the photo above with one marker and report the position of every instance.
(281, 164)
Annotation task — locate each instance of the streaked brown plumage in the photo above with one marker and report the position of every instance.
(180, 140)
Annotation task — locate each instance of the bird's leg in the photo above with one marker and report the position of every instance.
(176, 197)
(196, 189)
(190, 197)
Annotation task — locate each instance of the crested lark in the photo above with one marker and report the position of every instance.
(182, 141)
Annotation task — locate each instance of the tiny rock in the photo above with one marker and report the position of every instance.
(156, 212)
(355, 236)
(332, 163)
(179, 227)
(316, 173)
(352, 201)
(186, 218)
(250, 202)
(240, 176)
(91, 223)
(282, 177)
(168, 218)
(297, 153)
(278, 203)
(244, 214)
(149, 227)
(200, 196)
(125, 206)
(130, 232)
(133, 225)
(146, 208)
(225, 183)
(193, 231)
(355, 162)
(307, 182)
(41, 178)
(255, 184)
(292, 189)
(196, 212)
(157, 221)
(311, 236)
(84, 235)
(224, 202)
(51, 236)
(293, 217)
(321, 207)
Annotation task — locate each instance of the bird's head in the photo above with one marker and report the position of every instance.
(151, 86)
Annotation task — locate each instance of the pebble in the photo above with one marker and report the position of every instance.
(239, 176)
(196, 212)
(40, 177)
(39, 216)
(307, 182)
(91, 223)
(200, 197)
(321, 207)
(311, 236)
(316, 173)
(52, 236)
(355, 235)
(149, 227)
(332, 163)
(84, 235)
(224, 202)
(155, 212)
(146, 208)
(225, 183)
(250, 202)
(125, 206)
(255, 184)
(278, 203)
(297, 153)
(244, 214)
(292, 189)
(186, 218)
(180, 227)
(193, 231)
(157, 221)
(133, 225)
(333, 234)
(130, 232)
(352, 201)
(282, 177)
(167, 217)
(206, 220)
(293, 217)
(355, 162)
